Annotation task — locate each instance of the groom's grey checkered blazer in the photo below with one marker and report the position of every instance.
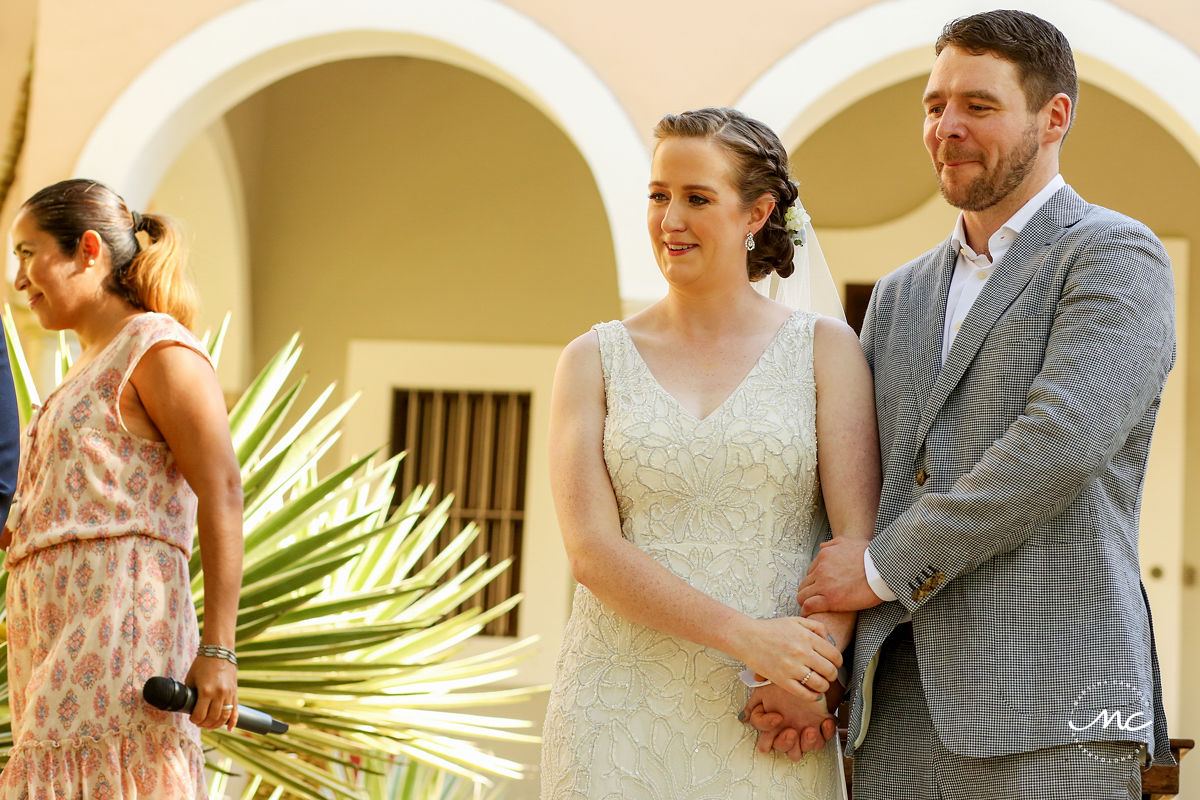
(1012, 480)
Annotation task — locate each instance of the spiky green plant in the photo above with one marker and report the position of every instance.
(397, 780)
(341, 632)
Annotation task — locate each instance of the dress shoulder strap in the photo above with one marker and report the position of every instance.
(799, 330)
(615, 346)
(612, 336)
(145, 332)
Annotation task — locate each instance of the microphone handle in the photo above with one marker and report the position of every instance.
(249, 719)
(255, 721)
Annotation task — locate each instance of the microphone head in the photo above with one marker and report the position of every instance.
(165, 694)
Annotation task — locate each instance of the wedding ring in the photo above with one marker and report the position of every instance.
(807, 675)
(230, 706)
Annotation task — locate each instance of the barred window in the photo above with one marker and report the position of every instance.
(473, 445)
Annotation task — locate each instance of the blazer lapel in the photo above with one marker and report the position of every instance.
(927, 293)
(1013, 273)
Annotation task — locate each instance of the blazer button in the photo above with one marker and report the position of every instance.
(921, 476)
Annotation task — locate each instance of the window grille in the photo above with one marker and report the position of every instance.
(473, 445)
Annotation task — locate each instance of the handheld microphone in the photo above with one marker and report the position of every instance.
(168, 694)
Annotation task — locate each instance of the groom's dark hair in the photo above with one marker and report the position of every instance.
(1039, 50)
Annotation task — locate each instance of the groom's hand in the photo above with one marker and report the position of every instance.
(788, 724)
(837, 580)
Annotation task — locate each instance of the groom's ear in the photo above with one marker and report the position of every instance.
(1057, 117)
(760, 210)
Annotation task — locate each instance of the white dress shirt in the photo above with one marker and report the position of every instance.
(971, 271)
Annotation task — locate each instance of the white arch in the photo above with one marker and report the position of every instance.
(889, 42)
(232, 56)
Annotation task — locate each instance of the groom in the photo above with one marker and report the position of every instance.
(1004, 647)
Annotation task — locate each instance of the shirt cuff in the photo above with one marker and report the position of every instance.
(878, 584)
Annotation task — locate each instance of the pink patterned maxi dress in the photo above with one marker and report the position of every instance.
(98, 594)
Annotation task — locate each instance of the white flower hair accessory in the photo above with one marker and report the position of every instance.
(795, 221)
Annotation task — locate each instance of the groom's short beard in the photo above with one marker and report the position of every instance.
(990, 188)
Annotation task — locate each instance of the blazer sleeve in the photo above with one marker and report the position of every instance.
(10, 435)
(1109, 350)
(866, 336)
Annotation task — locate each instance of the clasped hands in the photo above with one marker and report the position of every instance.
(789, 721)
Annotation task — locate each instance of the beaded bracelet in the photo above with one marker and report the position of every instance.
(216, 651)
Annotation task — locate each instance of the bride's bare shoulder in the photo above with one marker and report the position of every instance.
(837, 354)
(831, 331)
(583, 347)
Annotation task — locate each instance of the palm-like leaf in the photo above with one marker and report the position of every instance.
(339, 633)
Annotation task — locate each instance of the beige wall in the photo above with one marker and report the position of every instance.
(673, 55)
(708, 56)
(202, 190)
(86, 54)
(703, 54)
(16, 50)
(404, 199)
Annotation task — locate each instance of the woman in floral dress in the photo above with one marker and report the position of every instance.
(118, 466)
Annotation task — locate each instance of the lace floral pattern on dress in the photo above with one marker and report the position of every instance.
(731, 504)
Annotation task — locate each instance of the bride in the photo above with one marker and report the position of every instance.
(696, 448)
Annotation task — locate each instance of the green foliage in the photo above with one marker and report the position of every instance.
(393, 780)
(341, 632)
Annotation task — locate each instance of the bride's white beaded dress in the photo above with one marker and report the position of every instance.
(731, 504)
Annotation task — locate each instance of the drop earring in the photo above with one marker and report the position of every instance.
(749, 240)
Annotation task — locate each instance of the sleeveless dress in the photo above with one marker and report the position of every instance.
(731, 504)
(99, 596)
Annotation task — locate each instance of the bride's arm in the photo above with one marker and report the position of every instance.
(627, 579)
(848, 461)
(847, 445)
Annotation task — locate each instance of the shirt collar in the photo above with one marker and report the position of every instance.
(958, 239)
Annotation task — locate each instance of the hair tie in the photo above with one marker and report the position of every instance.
(138, 222)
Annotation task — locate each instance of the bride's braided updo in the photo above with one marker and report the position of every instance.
(760, 166)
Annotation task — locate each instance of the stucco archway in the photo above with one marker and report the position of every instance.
(890, 42)
(232, 56)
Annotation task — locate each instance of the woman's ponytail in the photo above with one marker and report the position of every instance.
(157, 275)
